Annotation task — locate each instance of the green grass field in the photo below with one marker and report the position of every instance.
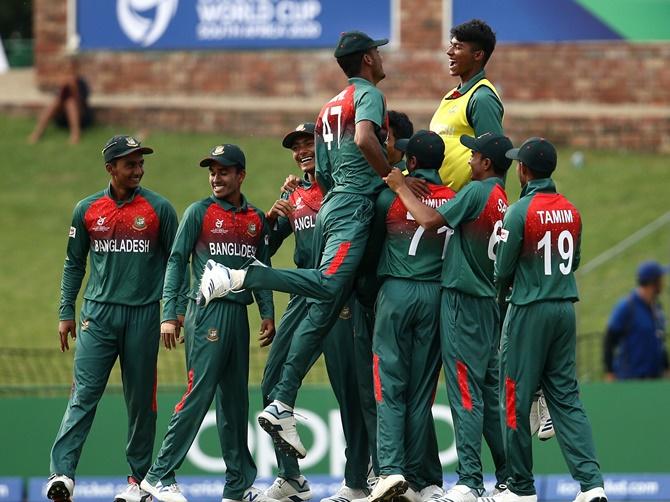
(617, 193)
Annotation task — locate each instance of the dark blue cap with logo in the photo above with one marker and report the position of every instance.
(650, 271)
(226, 155)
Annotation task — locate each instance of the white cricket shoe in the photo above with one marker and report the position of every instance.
(498, 489)
(252, 494)
(508, 496)
(289, 490)
(163, 493)
(388, 487)
(593, 495)
(460, 493)
(59, 488)
(431, 493)
(346, 494)
(534, 417)
(218, 280)
(132, 493)
(546, 430)
(409, 496)
(279, 422)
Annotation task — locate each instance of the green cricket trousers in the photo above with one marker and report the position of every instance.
(470, 338)
(217, 358)
(538, 349)
(338, 351)
(108, 331)
(406, 361)
(340, 237)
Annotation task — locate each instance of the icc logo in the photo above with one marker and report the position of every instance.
(143, 30)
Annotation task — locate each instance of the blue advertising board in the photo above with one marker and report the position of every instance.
(215, 24)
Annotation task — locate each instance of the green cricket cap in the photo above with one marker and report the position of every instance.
(226, 155)
(492, 146)
(120, 146)
(356, 41)
(306, 129)
(426, 146)
(536, 153)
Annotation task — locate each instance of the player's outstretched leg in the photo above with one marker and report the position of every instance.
(218, 280)
(277, 419)
(60, 488)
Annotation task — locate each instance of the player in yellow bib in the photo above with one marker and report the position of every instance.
(474, 106)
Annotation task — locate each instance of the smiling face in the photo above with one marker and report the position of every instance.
(126, 172)
(226, 182)
(303, 153)
(465, 59)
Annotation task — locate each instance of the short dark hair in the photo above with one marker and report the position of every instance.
(351, 64)
(537, 175)
(476, 32)
(401, 124)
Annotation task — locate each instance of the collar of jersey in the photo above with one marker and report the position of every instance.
(544, 185)
(466, 86)
(108, 192)
(228, 206)
(430, 175)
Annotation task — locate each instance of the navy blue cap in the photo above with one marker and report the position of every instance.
(650, 271)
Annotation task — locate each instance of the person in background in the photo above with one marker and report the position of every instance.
(634, 345)
(69, 109)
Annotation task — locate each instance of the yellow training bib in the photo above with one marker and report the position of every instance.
(450, 121)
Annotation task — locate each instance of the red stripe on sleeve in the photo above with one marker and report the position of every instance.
(189, 388)
(377, 379)
(510, 402)
(462, 374)
(339, 258)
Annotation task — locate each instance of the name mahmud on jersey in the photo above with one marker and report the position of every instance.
(121, 245)
(232, 249)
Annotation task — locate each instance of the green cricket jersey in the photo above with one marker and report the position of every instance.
(340, 165)
(476, 215)
(215, 229)
(306, 201)
(409, 251)
(540, 246)
(128, 244)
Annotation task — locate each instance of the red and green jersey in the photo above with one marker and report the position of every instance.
(540, 246)
(306, 201)
(215, 229)
(340, 165)
(476, 215)
(128, 244)
(410, 251)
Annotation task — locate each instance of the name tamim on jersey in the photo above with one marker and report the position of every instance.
(121, 245)
(232, 249)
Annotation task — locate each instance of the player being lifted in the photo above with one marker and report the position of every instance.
(296, 213)
(350, 133)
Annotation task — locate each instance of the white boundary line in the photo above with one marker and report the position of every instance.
(624, 244)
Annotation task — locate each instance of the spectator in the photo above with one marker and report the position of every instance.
(635, 338)
(69, 109)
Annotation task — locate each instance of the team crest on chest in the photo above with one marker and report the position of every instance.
(251, 229)
(212, 335)
(139, 223)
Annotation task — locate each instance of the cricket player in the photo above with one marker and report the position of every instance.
(296, 213)
(400, 127)
(537, 255)
(126, 231)
(473, 107)
(469, 315)
(406, 343)
(225, 228)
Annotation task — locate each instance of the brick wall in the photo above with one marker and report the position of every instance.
(616, 73)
